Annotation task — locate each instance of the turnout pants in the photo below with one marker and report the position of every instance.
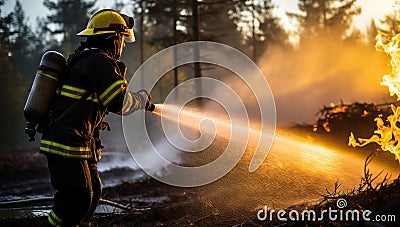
(78, 190)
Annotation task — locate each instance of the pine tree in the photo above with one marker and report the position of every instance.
(67, 18)
(26, 49)
(391, 23)
(325, 17)
(259, 26)
(5, 32)
(159, 19)
(12, 86)
(169, 22)
(219, 23)
(372, 31)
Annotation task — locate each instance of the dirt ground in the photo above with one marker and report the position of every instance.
(233, 200)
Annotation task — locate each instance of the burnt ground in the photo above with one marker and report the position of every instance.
(154, 203)
(23, 174)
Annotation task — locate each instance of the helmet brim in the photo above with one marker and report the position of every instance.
(90, 32)
(128, 34)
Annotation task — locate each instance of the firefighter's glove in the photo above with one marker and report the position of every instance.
(147, 97)
(122, 68)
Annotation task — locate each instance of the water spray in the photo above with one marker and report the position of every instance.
(222, 125)
(177, 118)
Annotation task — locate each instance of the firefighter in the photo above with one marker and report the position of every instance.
(92, 86)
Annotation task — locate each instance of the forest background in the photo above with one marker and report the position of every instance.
(324, 58)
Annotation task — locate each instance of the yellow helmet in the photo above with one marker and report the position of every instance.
(108, 21)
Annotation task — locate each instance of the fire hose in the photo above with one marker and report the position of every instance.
(49, 199)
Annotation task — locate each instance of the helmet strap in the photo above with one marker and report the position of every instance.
(119, 46)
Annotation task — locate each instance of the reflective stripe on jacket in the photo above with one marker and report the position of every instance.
(53, 219)
(64, 150)
(76, 134)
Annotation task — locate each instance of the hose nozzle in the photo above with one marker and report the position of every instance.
(150, 107)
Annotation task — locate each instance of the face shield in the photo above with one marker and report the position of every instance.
(128, 30)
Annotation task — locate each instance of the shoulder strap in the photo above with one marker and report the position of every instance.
(72, 107)
(71, 61)
(73, 58)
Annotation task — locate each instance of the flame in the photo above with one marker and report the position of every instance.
(331, 112)
(326, 126)
(391, 47)
(334, 109)
(387, 136)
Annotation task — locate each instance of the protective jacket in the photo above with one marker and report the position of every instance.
(94, 85)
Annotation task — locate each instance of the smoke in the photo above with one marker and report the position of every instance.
(305, 79)
(302, 82)
(321, 72)
(117, 155)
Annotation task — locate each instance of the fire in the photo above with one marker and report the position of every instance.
(330, 113)
(334, 109)
(387, 136)
(391, 47)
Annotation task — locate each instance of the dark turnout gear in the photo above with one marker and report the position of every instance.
(96, 84)
(93, 85)
(96, 78)
(77, 181)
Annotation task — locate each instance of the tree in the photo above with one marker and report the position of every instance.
(166, 23)
(5, 32)
(67, 18)
(26, 48)
(158, 21)
(329, 18)
(391, 23)
(265, 27)
(372, 31)
(12, 86)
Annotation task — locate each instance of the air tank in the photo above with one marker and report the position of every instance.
(36, 110)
